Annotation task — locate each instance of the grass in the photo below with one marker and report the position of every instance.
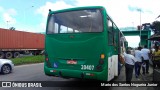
(28, 60)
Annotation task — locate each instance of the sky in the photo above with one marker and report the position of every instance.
(31, 15)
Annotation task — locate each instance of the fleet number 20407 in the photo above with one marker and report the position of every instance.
(87, 67)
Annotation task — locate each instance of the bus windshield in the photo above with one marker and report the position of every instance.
(80, 21)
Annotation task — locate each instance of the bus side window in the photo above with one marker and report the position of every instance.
(56, 28)
(114, 35)
(110, 32)
(63, 29)
(51, 26)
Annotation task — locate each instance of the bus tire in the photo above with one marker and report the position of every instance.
(1, 54)
(8, 55)
(16, 54)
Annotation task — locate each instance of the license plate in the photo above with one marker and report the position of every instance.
(71, 62)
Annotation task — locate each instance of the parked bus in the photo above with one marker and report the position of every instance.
(82, 42)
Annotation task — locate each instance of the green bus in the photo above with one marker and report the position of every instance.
(82, 42)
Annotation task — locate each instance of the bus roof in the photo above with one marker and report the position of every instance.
(74, 9)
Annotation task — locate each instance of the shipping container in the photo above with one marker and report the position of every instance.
(12, 41)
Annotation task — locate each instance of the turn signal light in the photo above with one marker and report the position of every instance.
(46, 59)
(91, 74)
(53, 71)
(102, 56)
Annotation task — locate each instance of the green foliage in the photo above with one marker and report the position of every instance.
(28, 60)
(156, 27)
(12, 28)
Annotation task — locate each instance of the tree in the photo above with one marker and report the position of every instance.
(12, 28)
(156, 27)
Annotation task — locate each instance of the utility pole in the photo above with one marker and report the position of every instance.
(7, 23)
(133, 25)
(140, 24)
(140, 27)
